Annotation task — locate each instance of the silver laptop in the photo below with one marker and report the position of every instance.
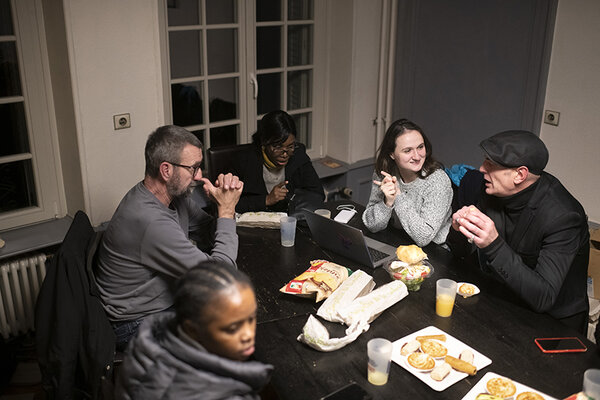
(348, 241)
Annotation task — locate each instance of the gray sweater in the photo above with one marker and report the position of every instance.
(146, 247)
(422, 209)
(161, 364)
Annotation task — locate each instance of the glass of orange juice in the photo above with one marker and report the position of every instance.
(445, 293)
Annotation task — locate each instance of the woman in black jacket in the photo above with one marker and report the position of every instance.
(277, 169)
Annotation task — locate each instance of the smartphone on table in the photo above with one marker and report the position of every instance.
(561, 345)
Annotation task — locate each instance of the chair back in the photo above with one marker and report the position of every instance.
(221, 159)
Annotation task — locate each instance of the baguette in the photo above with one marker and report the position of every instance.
(441, 337)
(461, 365)
(440, 372)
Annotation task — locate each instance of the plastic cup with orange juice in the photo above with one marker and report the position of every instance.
(445, 293)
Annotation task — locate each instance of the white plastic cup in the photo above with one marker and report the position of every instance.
(591, 383)
(380, 356)
(445, 294)
(323, 212)
(288, 231)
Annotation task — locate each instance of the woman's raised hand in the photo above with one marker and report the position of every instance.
(389, 187)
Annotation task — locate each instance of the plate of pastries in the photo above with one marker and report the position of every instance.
(497, 387)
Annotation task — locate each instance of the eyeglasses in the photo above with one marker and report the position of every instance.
(191, 168)
(287, 149)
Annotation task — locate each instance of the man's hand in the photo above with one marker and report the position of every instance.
(225, 192)
(277, 194)
(475, 225)
(389, 187)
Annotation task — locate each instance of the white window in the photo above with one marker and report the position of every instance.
(228, 62)
(29, 183)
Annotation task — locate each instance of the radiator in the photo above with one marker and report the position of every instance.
(20, 282)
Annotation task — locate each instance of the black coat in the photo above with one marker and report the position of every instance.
(74, 339)
(299, 172)
(544, 259)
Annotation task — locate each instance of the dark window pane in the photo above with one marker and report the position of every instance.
(300, 45)
(13, 134)
(6, 26)
(187, 103)
(222, 50)
(223, 99)
(183, 12)
(268, 47)
(268, 10)
(223, 135)
(10, 80)
(185, 49)
(303, 127)
(221, 11)
(299, 90)
(269, 93)
(17, 187)
(300, 9)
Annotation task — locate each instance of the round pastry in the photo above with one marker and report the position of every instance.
(529, 396)
(434, 348)
(421, 361)
(466, 289)
(501, 387)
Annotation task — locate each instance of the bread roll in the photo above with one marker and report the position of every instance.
(461, 365)
(440, 372)
(467, 355)
(410, 254)
(410, 347)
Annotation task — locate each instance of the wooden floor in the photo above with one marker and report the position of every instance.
(25, 380)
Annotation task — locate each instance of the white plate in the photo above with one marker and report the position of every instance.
(455, 347)
(480, 388)
(468, 295)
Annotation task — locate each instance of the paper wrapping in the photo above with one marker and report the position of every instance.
(357, 315)
(358, 284)
(260, 219)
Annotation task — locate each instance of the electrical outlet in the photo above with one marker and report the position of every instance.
(551, 117)
(122, 121)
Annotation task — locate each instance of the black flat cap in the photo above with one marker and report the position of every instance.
(515, 149)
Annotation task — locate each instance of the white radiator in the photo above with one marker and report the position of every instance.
(20, 282)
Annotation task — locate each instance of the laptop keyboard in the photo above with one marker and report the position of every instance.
(377, 255)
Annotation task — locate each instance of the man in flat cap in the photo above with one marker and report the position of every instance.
(529, 231)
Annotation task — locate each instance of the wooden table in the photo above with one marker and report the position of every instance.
(503, 330)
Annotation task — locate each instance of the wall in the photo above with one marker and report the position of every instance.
(573, 89)
(114, 57)
(353, 49)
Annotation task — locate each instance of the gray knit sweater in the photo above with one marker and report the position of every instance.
(422, 209)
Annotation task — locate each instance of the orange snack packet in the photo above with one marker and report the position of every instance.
(319, 280)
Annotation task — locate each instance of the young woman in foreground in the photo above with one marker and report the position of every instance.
(410, 187)
(201, 351)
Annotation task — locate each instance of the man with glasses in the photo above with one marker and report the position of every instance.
(528, 231)
(277, 169)
(147, 245)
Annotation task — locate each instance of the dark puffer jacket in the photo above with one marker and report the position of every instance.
(160, 365)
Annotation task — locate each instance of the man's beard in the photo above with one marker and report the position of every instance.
(175, 190)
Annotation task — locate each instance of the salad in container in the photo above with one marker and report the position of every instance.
(412, 275)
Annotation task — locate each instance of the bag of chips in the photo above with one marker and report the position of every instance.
(321, 279)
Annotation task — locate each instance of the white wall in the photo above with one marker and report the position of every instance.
(114, 56)
(352, 78)
(574, 90)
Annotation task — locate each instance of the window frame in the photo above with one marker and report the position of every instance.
(248, 118)
(29, 35)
